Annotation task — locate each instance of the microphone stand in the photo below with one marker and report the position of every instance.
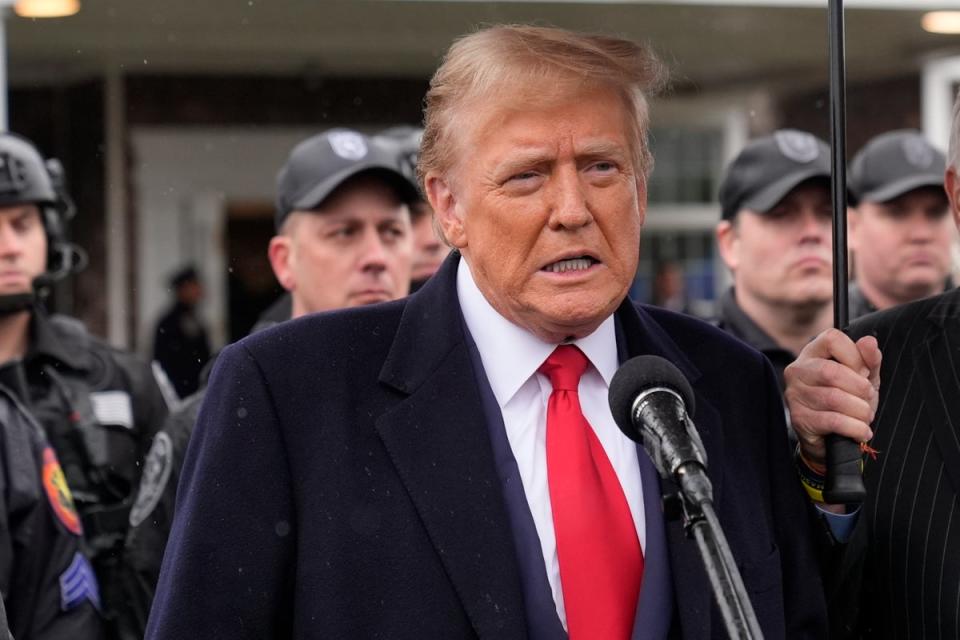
(700, 523)
(683, 461)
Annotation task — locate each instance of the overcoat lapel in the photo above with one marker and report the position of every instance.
(938, 361)
(437, 440)
(691, 588)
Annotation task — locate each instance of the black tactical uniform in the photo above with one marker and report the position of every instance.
(100, 409)
(181, 347)
(152, 514)
(49, 589)
(180, 342)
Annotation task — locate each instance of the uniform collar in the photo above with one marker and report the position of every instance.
(737, 322)
(46, 342)
(858, 303)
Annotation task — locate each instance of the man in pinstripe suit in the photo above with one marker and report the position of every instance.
(899, 575)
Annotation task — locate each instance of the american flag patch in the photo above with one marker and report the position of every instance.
(113, 407)
(78, 583)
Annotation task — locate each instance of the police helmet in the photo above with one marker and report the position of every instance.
(26, 178)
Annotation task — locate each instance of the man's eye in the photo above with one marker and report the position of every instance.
(524, 175)
(342, 232)
(604, 167)
(23, 224)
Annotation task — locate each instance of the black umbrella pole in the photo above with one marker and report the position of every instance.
(844, 482)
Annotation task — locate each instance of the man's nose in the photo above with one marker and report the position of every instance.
(921, 228)
(569, 208)
(815, 225)
(10, 242)
(373, 256)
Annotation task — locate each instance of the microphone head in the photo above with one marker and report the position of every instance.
(636, 376)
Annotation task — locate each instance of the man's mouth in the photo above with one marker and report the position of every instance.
(580, 263)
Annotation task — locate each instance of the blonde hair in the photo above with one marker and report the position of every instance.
(484, 64)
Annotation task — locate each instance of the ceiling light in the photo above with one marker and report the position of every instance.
(46, 8)
(942, 22)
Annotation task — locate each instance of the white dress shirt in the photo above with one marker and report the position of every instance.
(511, 356)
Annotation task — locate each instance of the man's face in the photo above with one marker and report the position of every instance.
(547, 209)
(902, 247)
(356, 249)
(23, 248)
(782, 258)
(428, 249)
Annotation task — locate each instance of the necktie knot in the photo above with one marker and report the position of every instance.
(564, 367)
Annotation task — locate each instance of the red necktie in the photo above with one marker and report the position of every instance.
(601, 563)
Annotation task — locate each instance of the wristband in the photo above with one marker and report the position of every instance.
(812, 481)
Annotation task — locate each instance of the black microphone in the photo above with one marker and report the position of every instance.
(651, 402)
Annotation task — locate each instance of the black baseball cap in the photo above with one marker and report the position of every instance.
(318, 165)
(184, 275)
(769, 168)
(892, 164)
(404, 141)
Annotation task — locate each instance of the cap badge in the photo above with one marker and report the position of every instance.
(799, 146)
(917, 152)
(349, 145)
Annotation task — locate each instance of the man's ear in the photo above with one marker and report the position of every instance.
(279, 252)
(951, 183)
(728, 244)
(449, 215)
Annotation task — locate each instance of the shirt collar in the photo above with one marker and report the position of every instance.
(496, 336)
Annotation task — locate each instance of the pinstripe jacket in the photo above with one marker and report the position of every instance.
(901, 569)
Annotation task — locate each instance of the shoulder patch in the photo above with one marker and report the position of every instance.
(156, 474)
(58, 493)
(78, 583)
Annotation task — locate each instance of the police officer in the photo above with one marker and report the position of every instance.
(49, 589)
(429, 250)
(343, 239)
(775, 238)
(99, 407)
(180, 343)
(899, 222)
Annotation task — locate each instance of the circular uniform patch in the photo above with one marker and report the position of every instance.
(917, 152)
(156, 473)
(58, 493)
(799, 146)
(349, 145)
